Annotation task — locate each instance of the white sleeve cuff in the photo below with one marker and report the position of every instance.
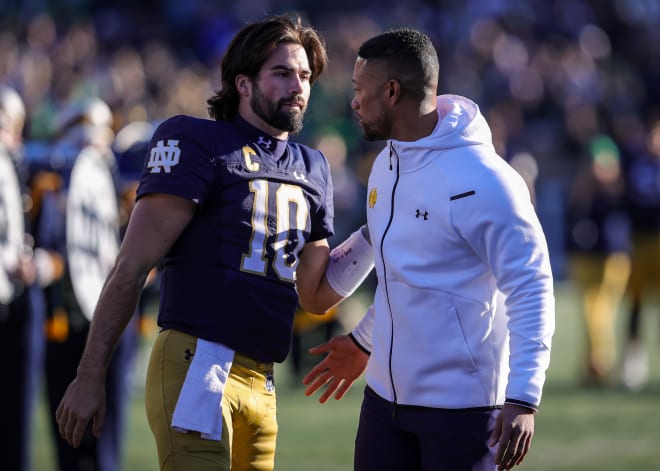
(363, 332)
(350, 263)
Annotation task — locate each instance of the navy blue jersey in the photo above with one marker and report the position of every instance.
(643, 192)
(230, 276)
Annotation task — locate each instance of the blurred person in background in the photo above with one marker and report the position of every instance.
(453, 382)
(23, 269)
(642, 169)
(239, 218)
(83, 131)
(526, 165)
(599, 252)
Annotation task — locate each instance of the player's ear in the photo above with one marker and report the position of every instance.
(242, 83)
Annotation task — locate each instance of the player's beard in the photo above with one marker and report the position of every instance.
(289, 120)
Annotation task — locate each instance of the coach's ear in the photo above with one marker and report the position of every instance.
(393, 90)
(242, 83)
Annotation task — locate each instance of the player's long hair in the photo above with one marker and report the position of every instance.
(251, 48)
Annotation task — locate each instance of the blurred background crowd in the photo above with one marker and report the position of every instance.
(571, 89)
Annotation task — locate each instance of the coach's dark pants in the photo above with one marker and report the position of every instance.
(414, 438)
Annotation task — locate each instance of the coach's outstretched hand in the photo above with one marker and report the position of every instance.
(342, 365)
(514, 430)
(84, 400)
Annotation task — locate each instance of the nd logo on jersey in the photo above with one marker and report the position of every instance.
(164, 156)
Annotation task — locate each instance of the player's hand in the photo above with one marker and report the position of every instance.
(342, 365)
(514, 430)
(84, 400)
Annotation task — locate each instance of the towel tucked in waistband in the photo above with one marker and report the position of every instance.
(199, 407)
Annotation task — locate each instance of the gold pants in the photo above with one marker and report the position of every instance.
(602, 280)
(645, 269)
(249, 424)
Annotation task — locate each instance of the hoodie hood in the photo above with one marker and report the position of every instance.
(460, 124)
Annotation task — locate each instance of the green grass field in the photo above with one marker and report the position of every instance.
(578, 429)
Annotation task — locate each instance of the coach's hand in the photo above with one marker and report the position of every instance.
(514, 430)
(342, 365)
(84, 400)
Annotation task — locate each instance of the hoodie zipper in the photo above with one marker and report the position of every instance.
(382, 256)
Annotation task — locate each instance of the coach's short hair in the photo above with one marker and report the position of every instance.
(409, 57)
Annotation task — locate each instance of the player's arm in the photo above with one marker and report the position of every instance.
(325, 277)
(314, 293)
(155, 224)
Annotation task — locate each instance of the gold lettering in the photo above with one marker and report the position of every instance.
(247, 152)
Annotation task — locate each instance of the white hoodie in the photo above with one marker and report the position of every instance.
(453, 227)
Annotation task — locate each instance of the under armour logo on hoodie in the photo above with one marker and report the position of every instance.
(421, 214)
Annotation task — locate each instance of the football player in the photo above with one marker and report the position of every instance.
(239, 216)
(76, 211)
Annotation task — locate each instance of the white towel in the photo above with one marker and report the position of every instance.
(199, 407)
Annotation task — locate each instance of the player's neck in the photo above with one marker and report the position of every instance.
(256, 121)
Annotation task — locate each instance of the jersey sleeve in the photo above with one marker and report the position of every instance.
(323, 215)
(178, 161)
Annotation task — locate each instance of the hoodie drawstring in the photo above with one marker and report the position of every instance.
(391, 145)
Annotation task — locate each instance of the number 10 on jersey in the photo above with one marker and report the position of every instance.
(288, 239)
